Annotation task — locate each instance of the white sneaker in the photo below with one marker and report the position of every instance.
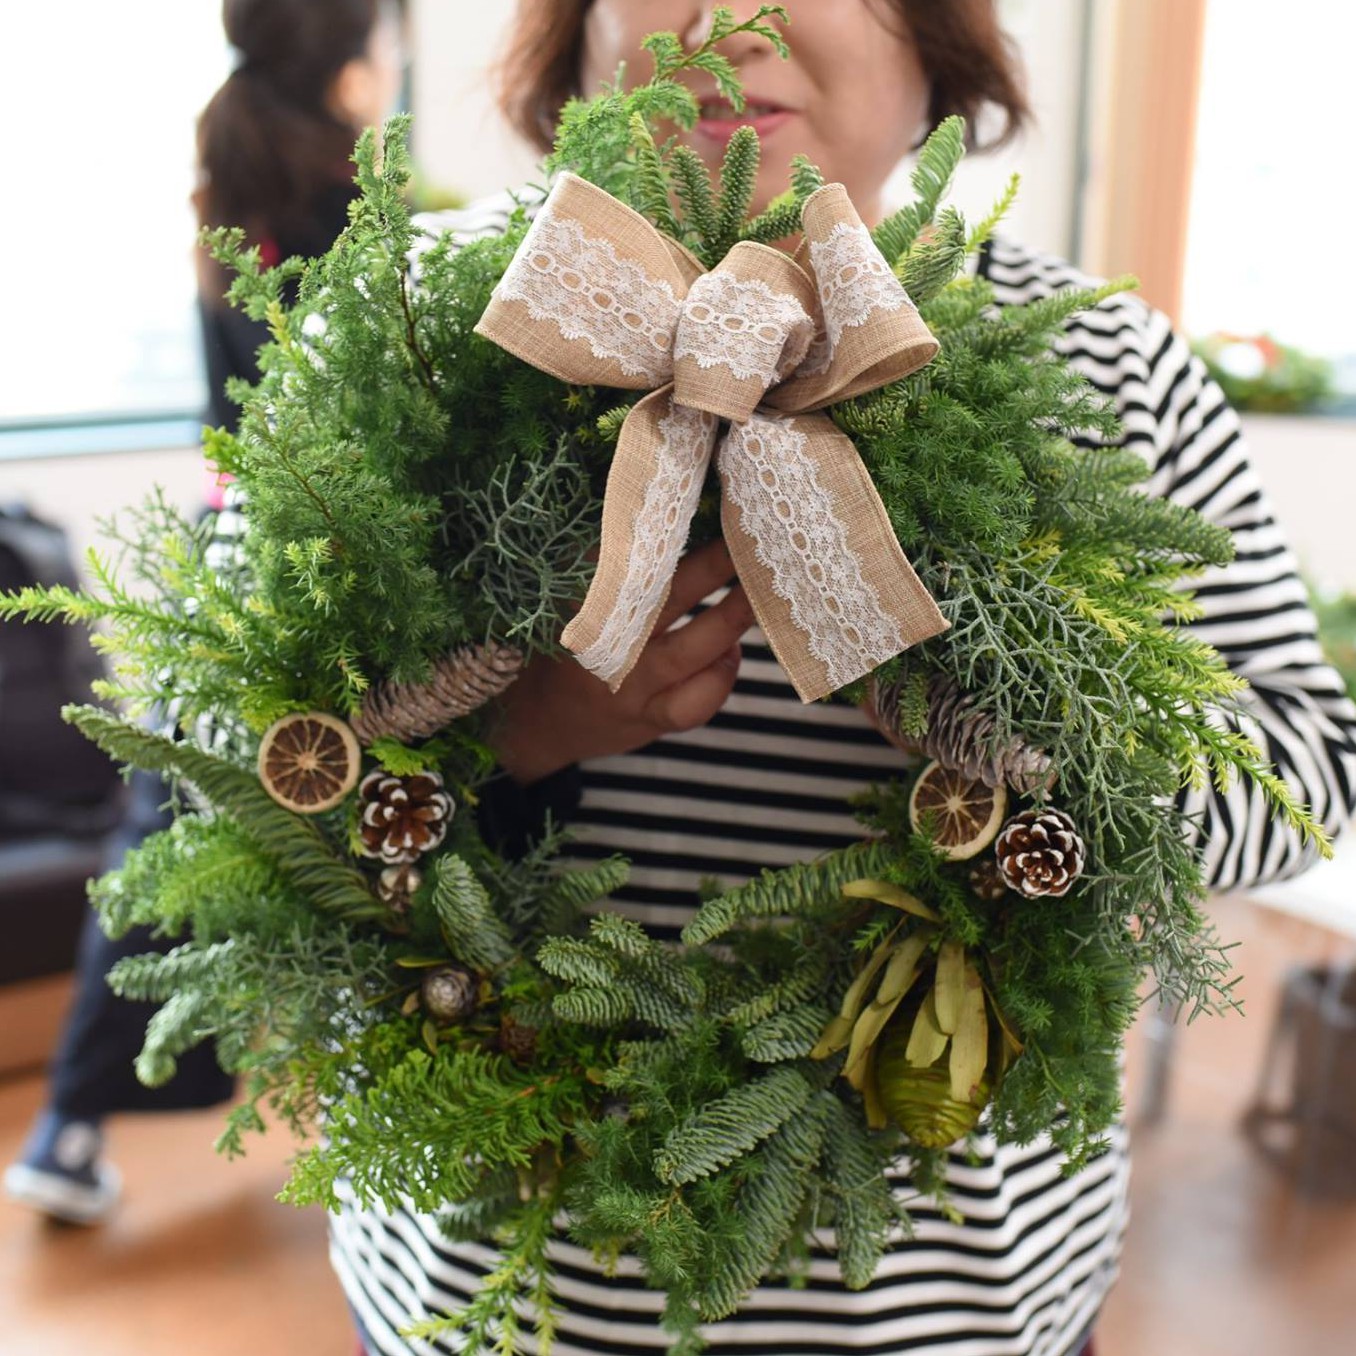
(62, 1175)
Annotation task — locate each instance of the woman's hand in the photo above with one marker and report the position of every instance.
(558, 713)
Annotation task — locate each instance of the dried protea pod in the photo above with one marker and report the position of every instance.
(929, 1048)
(1040, 853)
(961, 736)
(449, 993)
(461, 682)
(402, 817)
(920, 1100)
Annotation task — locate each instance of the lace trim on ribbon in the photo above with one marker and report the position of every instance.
(659, 531)
(797, 536)
(745, 324)
(853, 280)
(582, 286)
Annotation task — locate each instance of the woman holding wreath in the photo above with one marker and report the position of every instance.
(705, 763)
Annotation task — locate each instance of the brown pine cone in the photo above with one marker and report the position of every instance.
(402, 817)
(1040, 853)
(460, 683)
(518, 1042)
(961, 736)
(986, 880)
(449, 993)
(396, 886)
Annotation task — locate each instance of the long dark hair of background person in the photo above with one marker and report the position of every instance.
(274, 148)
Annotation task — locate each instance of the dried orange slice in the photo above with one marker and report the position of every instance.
(963, 814)
(308, 761)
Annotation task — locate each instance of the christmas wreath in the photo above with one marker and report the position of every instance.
(425, 468)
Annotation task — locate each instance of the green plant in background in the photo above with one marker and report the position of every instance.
(1258, 374)
(1336, 613)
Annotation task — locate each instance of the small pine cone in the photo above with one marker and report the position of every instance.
(960, 736)
(1040, 853)
(986, 880)
(518, 1042)
(449, 993)
(402, 817)
(396, 886)
(461, 682)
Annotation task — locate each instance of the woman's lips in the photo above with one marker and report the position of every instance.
(719, 124)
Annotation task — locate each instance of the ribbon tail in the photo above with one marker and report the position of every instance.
(816, 553)
(652, 492)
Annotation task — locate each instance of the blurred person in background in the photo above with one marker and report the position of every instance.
(274, 146)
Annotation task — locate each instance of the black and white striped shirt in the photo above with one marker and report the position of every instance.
(766, 784)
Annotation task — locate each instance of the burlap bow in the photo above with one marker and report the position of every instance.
(596, 295)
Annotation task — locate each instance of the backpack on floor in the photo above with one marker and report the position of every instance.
(52, 779)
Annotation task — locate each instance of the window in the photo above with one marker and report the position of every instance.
(97, 234)
(1272, 187)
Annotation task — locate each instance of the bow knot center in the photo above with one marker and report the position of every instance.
(736, 336)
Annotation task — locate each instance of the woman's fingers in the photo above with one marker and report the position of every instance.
(692, 702)
(699, 572)
(673, 656)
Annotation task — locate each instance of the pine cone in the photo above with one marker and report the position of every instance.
(449, 993)
(986, 880)
(518, 1042)
(402, 817)
(396, 886)
(1040, 853)
(461, 682)
(961, 736)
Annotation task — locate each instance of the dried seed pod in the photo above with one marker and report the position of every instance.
(1040, 852)
(397, 884)
(403, 817)
(449, 993)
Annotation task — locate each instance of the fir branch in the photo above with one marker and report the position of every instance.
(770, 1208)
(984, 230)
(864, 1208)
(738, 180)
(294, 845)
(782, 218)
(930, 264)
(791, 891)
(806, 178)
(475, 935)
(937, 162)
(692, 184)
(727, 1128)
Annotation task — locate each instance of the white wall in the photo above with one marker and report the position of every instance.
(460, 140)
(1308, 467)
(1048, 34)
(76, 491)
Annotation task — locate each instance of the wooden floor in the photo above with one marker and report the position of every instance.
(1222, 1259)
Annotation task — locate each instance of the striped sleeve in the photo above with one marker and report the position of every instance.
(1255, 609)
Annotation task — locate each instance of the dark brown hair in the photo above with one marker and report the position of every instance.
(268, 145)
(970, 60)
